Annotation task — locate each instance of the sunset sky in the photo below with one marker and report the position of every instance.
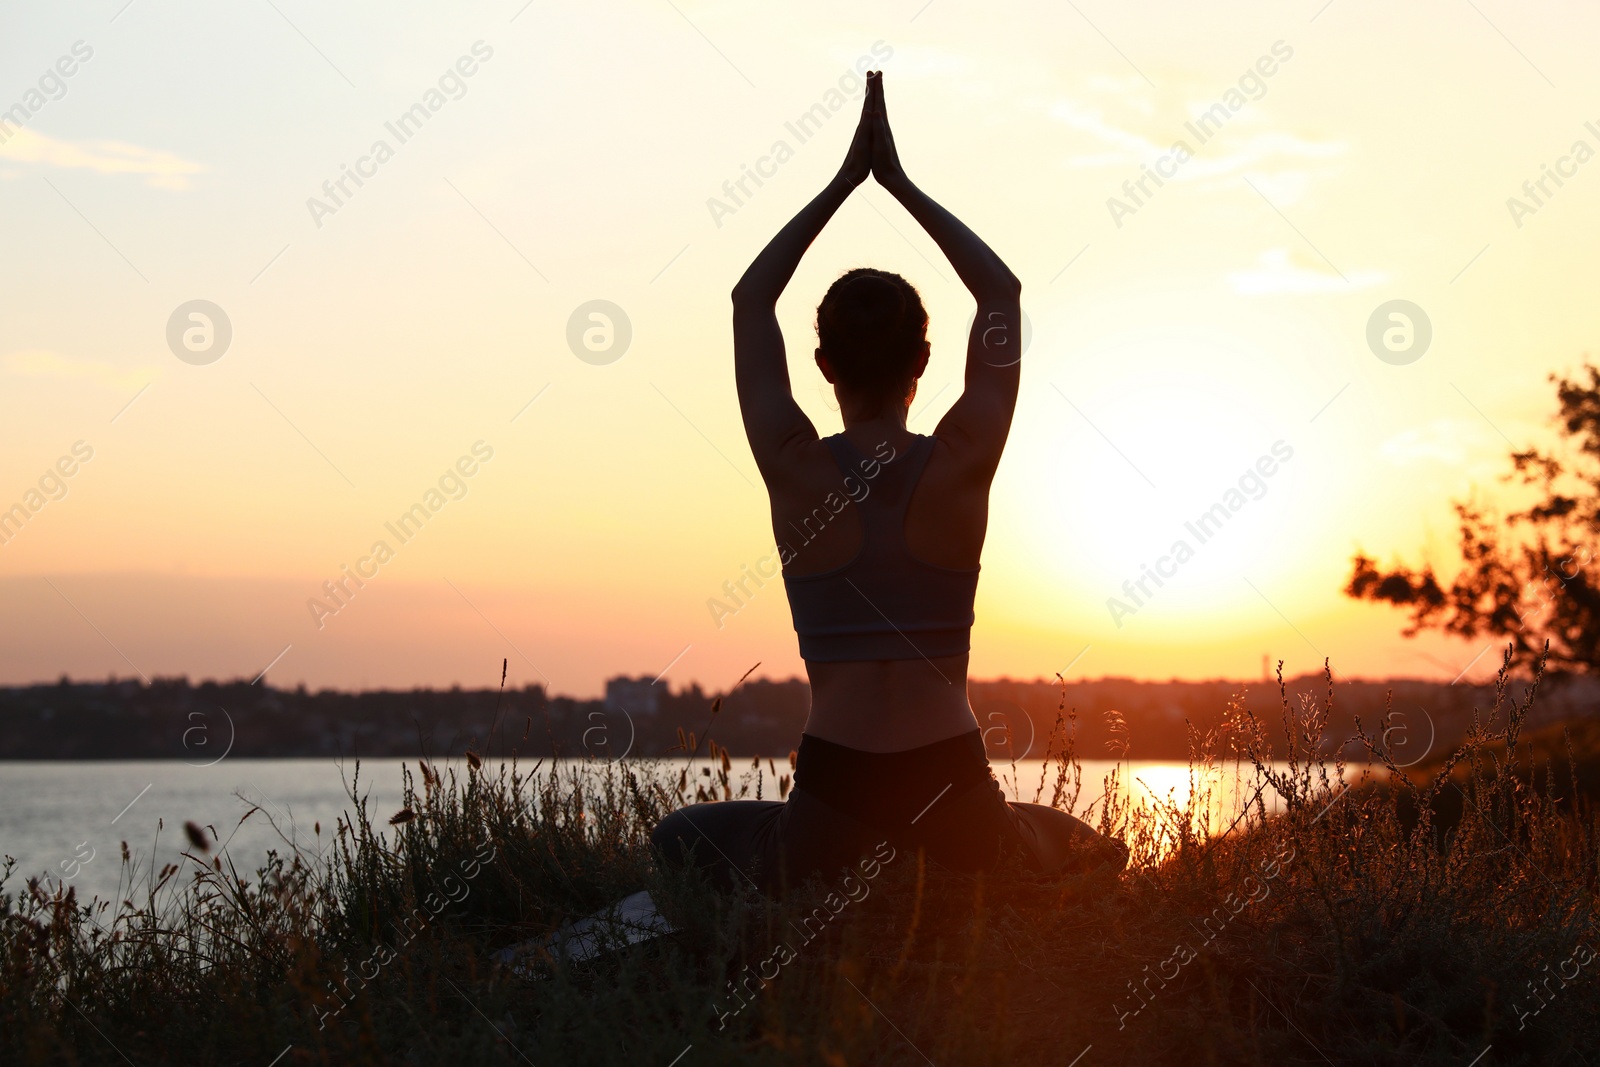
(379, 334)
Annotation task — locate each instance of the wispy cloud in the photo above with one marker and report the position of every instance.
(1278, 272)
(43, 363)
(1446, 441)
(1136, 126)
(159, 168)
(1129, 146)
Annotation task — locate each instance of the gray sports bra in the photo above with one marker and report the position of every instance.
(884, 603)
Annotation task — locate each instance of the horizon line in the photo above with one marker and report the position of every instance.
(157, 680)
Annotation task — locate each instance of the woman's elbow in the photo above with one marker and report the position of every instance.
(1004, 288)
(747, 297)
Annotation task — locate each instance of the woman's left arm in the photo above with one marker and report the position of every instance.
(773, 421)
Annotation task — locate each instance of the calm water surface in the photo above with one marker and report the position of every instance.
(68, 819)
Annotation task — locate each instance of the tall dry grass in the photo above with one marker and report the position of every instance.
(1345, 914)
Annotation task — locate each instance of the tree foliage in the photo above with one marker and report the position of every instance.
(1524, 577)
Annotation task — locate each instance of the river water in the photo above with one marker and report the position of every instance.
(68, 820)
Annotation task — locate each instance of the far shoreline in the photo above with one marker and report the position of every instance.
(121, 720)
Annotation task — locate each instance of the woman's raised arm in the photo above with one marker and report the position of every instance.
(772, 419)
(982, 416)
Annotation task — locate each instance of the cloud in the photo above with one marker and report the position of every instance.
(1449, 441)
(1135, 128)
(1244, 151)
(1278, 271)
(160, 169)
(1134, 147)
(43, 363)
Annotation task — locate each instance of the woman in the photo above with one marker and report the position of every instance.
(881, 531)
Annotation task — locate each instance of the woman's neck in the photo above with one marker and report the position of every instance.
(869, 435)
(883, 416)
(890, 424)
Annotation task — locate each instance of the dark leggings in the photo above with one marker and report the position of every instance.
(940, 798)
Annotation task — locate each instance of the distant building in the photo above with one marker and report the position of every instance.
(636, 696)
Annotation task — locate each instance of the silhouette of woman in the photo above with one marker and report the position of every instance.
(879, 532)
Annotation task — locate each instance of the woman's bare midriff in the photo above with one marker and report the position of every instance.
(890, 705)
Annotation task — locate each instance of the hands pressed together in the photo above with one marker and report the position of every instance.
(772, 418)
(872, 153)
(872, 149)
